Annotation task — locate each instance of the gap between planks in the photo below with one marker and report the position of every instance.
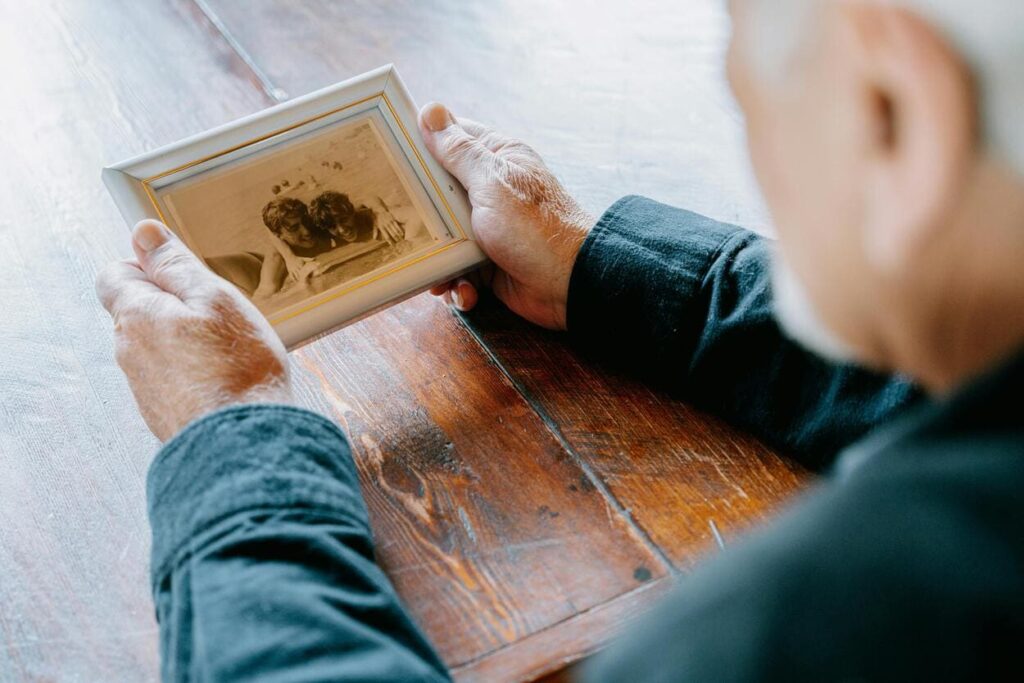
(623, 608)
(275, 93)
(556, 431)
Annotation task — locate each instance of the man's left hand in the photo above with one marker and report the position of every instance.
(188, 341)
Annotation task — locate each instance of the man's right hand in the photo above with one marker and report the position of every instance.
(523, 218)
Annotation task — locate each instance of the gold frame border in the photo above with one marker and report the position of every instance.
(147, 186)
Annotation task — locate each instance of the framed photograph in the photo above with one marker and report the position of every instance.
(321, 210)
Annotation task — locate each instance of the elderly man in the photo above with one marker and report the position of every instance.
(886, 139)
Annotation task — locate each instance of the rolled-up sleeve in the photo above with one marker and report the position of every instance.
(262, 557)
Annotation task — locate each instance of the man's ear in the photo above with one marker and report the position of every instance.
(920, 111)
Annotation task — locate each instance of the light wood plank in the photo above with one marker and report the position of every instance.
(86, 84)
(468, 489)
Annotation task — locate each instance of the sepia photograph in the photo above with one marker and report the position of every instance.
(303, 220)
(321, 210)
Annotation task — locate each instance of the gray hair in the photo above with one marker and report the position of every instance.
(989, 34)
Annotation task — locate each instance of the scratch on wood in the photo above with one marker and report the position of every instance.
(718, 536)
(464, 518)
(476, 557)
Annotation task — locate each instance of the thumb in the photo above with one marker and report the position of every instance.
(167, 262)
(461, 154)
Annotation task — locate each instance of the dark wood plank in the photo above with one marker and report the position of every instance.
(570, 641)
(682, 474)
(489, 529)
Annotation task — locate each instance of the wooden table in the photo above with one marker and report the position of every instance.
(525, 501)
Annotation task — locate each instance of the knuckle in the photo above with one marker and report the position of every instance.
(459, 146)
(222, 302)
(525, 151)
(170, 261)
(530, 184)
(223, 308)
(202, 289)
(513, 149)
(130, 319)
(144, 310)
(105, 277)
(106, 284)
(122, 350)
(124, 320)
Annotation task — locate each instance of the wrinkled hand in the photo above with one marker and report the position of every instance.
(523, 218)
(188, 341)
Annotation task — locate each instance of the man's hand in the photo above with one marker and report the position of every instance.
(387, 229)
(188, 341)
(523, 218)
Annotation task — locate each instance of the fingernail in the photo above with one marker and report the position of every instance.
(437, 117)
(149, 235)
(457, 297)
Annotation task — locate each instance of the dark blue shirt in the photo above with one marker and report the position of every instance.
(906, 564)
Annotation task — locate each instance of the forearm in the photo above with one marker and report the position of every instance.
(686, 301)
(262, 561)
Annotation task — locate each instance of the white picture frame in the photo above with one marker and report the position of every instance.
(377, 105)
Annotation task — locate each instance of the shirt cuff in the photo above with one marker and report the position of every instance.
(242, 459)
(637, 284)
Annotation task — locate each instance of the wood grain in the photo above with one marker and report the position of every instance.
(523, 500)
(682, 474)
(488, 528)
(552, 654)
(85, 84)
(618, 97)
(650, 112)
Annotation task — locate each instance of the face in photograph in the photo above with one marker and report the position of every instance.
(289, 220)
(295, 221)
(336, 216)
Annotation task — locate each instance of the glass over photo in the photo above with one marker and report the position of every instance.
(305, 217)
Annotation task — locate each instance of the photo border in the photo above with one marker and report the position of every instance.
(455, 237)
(134, 184)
